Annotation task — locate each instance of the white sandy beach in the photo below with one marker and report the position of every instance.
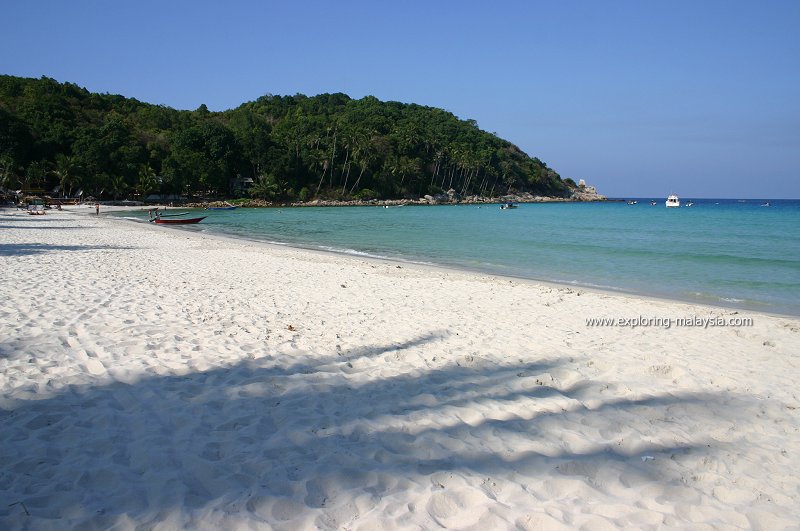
(159, 378)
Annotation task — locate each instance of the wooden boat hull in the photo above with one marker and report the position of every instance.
(179, 221)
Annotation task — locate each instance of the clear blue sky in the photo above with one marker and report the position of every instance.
(699, 98)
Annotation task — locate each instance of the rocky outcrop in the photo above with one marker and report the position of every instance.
(587, 193)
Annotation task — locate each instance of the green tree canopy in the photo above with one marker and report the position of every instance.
(326, 146)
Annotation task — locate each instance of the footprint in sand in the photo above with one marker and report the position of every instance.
(285, 510)
(456, 508)
(95, 367)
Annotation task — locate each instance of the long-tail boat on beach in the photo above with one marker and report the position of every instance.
(178, 221)
(155, 214)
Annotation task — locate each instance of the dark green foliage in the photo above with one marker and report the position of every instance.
(292, 147)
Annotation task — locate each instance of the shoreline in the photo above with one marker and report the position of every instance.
(423, 201)
(434, 267)
(438, 200)
(576, 285)
(170, 378)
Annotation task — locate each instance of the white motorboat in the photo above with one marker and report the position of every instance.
(673, 201)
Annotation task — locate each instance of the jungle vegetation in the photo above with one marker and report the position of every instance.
(60, 137)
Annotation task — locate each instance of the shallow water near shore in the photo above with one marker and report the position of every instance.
(734, 253)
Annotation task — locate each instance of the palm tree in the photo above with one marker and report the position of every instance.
(319, 160)
(147, 180)
(364, 156)
(6, 170)
(117, 185)
(34, 175)
(65, 167)
(269, 187)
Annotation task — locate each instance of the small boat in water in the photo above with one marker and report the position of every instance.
(229, 207)
(689, 204)
(653, 203)
(508, 206)
(632, 201)
(766, 204)
(155, 214)
(183, 221)
(673, 201)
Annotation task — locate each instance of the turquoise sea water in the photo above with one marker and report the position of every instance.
(722, 252)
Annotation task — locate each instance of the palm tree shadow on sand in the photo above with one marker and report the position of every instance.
(268, 440)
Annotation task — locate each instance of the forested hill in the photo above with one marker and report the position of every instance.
(292, 147)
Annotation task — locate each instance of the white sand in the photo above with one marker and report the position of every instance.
(159, 378)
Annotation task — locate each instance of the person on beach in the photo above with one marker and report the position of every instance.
(97, 208)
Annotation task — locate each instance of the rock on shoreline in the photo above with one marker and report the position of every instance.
(586, 194)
